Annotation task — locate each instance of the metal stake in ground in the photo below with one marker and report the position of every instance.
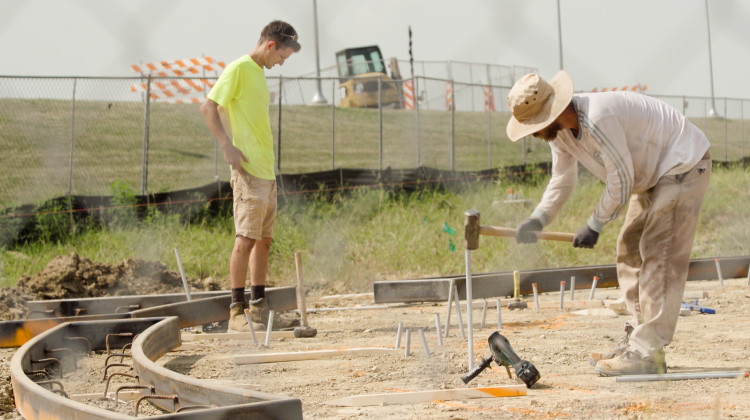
(593, 287)
(251, 326)
(572, 288)
(470, 225)
(450, 303)
(182, 274)
(303, 330)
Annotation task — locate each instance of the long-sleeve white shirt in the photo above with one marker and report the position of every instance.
(627, 140)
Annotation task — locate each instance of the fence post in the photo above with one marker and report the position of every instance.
(278, 128)
(453, 126)
(72, 136)
(380, 120)
(333, 125)
(726, 134)
(146, 120)
(489, 117)
(489, 137)
(742, 126)
(415, 81)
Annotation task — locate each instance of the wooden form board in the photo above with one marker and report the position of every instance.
(248, 359)
(431, 395)
(260, 335)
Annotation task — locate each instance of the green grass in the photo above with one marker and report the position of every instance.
(108, 140)
(349, 241)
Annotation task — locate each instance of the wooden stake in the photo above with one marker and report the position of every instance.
(432, 395)
(249, 359)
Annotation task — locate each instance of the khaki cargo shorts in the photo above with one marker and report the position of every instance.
(254, 205)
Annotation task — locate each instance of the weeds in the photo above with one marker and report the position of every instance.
(350, 240)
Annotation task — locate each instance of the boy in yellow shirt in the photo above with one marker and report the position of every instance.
(242, 92)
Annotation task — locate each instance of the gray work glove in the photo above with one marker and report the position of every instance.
(585, 237)
(525, 233)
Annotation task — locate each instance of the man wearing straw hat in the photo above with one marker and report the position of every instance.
(241, 94)
(646, 152)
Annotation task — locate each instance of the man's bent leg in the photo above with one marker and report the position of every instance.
(629, 259)
(628, 270)
(666, 245)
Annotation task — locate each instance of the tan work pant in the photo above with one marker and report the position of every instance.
(653, 254)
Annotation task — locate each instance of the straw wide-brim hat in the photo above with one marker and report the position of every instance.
(536, 103)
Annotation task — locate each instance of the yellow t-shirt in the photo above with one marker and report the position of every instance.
(242, 90)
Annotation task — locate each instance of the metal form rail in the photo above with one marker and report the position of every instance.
(208, 307)
(186, 397)
(500, 284)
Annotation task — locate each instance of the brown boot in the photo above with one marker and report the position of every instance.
(632, 363)
(259, 312)
(595, 357)
(238, 319)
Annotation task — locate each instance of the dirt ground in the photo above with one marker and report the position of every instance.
(556, 342)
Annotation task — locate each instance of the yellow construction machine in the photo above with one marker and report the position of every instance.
(361, 71)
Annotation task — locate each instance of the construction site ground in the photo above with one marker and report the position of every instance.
(556, 342)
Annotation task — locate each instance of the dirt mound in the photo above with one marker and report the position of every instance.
(74, 276)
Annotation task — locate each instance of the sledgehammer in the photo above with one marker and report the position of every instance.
(303, 330)
(472, 230)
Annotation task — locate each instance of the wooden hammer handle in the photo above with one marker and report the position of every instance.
(510, 232)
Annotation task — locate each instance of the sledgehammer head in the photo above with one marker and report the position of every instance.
(471, 229)
(305, 332)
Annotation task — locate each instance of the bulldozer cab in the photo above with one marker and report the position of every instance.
(362, 60)
(362, 72)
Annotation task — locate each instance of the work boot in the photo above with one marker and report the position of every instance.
(238, 319)
(259, 312)
(595, 357)
(632, 363)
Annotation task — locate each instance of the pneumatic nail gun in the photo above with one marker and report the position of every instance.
(503, 355)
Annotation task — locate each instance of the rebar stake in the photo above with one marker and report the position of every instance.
(572, 288)
(437, 328)
(450, 306)
(407, 344)
(269, 328)
(499, 316)
(251, 326)
(562, 294)
(458, 311)
(424, 343)
(484, 313)
(593, 287)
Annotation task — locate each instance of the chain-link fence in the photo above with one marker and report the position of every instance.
(80, 136)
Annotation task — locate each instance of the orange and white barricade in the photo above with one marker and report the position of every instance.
(408, 94)
(634, 88)
(177, 90)
(448, 96)
(489, 99)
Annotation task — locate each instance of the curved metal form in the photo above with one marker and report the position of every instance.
(154, 338)
(158, 340)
